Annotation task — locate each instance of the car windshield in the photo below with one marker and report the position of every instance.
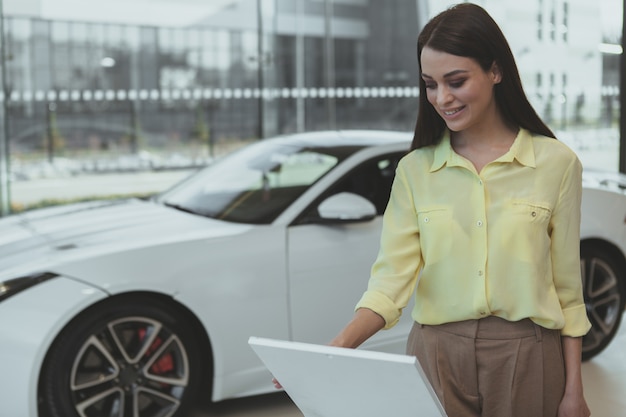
(256, 183)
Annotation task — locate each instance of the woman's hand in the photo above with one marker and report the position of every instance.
(573, 403)
(573, 406)
(363, 325)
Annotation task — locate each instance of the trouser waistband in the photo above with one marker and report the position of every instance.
(492, 327)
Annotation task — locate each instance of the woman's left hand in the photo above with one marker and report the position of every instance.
(573, 406)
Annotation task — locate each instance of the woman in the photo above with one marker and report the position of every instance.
(483, 226)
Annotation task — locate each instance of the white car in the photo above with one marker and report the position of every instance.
(132, 308)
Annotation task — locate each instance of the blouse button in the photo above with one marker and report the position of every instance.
(426, 219)
(479, 223)
(534, 214)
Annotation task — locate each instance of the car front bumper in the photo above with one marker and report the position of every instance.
(29, 322)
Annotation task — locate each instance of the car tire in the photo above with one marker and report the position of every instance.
(604, 294)
(125, 357)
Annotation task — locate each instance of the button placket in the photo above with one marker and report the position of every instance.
(481, 230)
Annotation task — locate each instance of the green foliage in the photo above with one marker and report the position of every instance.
(18, 208)
(200, 132)
(53, 141)
(134, 138)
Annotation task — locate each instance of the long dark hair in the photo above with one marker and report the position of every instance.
(467, 30)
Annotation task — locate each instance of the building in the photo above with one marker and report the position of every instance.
(245, 72)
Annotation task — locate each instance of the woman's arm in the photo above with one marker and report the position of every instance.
(573, 403)
(364, 324)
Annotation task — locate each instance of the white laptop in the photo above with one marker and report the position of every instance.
(325, 381)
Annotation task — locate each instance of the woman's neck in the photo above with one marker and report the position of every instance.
(493, 132)
(481, 146)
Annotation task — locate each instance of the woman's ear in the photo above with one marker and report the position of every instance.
(496, 73)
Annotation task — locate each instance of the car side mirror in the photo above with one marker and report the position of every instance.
(346, 208)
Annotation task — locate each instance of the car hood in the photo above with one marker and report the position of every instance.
(605, 180)
(46, 239)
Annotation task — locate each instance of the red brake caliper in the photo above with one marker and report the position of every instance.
(162, 365)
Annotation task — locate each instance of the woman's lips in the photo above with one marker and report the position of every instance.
(452, 112)
(450, 115)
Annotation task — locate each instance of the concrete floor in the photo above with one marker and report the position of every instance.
(604, 379)
(270, 405)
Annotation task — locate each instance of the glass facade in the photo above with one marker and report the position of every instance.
(257, 68)
(289, 66)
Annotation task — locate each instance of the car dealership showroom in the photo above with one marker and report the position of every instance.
(196, 195)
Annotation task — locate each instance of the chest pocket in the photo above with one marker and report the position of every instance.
(435, 228)
(528, 224)
(533, 213)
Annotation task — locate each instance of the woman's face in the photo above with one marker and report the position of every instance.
(459, 89)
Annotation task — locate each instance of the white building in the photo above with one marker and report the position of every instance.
(557, 47)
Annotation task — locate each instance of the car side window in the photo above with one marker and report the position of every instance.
(372, 180)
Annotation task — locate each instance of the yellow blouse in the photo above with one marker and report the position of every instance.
(501, 242)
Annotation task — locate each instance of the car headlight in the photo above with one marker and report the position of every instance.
(13, 286)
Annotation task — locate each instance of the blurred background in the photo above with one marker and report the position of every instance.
(126, 97)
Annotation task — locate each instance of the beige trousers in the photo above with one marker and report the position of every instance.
(492, 367)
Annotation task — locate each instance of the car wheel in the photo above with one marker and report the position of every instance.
(126, 357)
(604, 298)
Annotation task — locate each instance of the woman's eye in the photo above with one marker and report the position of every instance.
(430, 86)
(457, 84)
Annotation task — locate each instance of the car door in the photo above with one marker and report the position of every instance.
(329, 264)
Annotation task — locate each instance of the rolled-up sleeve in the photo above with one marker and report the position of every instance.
(565, 252)
(395, 271)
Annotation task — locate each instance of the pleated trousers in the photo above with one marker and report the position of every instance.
(492, 367)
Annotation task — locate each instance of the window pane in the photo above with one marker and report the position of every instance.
(102, 82)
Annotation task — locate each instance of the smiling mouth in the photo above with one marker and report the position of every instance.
(452, 112)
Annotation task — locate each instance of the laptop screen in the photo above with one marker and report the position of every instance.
(325, 381)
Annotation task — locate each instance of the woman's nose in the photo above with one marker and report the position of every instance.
(443, 96)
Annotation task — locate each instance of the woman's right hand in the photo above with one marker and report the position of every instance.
(363, 325)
